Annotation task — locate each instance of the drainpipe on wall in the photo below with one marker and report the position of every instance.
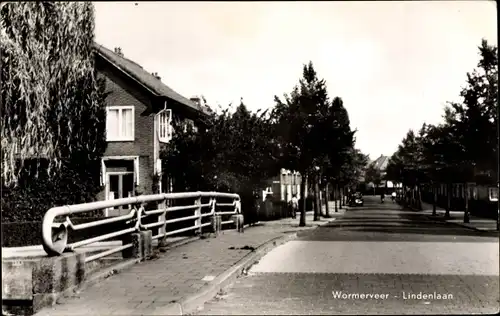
(156, 161)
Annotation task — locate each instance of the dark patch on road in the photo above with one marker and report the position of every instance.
(242, 248)
(389, 222)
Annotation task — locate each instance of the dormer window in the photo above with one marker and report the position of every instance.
(165, 125)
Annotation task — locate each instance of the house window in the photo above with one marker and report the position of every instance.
(189, 126)
(493, 194)
(120, 123)
(165, 126)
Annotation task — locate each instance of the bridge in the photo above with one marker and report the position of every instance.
(33, 279)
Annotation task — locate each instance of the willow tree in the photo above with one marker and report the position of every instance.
(52, 114)
(50, 97)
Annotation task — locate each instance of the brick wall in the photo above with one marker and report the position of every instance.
(123, 92)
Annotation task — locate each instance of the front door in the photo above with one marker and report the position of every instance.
(119, 185)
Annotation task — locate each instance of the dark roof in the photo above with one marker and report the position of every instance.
(145, 78)
(381, 162)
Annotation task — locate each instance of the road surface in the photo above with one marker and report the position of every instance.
(377, 259)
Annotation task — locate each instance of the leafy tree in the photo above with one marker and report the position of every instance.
(299, 125)
(373, 175)
(52, 110)
(236, 152)
(339, 147)
(473, 121)
(410, 168)
(465, 144)
(352, 169)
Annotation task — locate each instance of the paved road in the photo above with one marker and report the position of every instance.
(377, 259)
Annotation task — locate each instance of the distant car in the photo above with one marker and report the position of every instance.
(356, 200)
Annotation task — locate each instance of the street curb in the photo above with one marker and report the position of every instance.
(195, 302)
(443, 220)
(460, 224)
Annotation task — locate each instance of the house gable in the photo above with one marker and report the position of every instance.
(152, 85)
(129, 86)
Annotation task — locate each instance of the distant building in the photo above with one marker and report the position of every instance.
(284, 186)
(381, 164)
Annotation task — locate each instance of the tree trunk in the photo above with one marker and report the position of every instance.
(336, 197)
(344, 195)
(318, 190)
(412, 196)
(327, 211)
(466, 197)
(341, 193)
(434, 200)
(302, 221)
(315, 198)
(419, 197)
(405, 194)
(448, 205)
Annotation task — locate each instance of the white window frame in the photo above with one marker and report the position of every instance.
(135, 159)
(120, 138)
(165, 122)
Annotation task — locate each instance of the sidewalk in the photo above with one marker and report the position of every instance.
(157, 286)
(457, 218)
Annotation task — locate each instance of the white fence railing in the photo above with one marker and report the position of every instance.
(55, 235)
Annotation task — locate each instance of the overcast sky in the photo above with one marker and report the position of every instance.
(395, 64)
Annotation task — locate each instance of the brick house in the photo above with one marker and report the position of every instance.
(141, 112)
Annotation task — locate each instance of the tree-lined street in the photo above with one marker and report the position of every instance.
(81, 123)
(461, 150)
(378, 249)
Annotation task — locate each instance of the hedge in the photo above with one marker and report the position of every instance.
(76, 182)
(20, 234)
(480, 208)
